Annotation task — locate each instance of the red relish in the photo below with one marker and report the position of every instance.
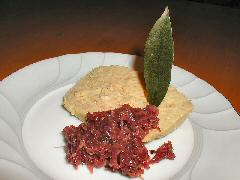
(114, 139)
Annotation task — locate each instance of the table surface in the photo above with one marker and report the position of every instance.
(207, 37)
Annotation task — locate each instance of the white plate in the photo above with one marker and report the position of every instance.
(32, 117)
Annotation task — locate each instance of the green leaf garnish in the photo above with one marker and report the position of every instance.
(158, 59)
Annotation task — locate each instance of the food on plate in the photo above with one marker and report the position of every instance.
(113, 139)
(121, 109)
(109, 87)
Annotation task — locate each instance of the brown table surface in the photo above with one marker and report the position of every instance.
(207, 37)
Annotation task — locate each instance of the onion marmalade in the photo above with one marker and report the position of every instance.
(114, 139)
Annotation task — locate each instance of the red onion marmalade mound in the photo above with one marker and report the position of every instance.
(114, 139)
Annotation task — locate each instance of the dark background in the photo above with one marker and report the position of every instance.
(8, 5)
